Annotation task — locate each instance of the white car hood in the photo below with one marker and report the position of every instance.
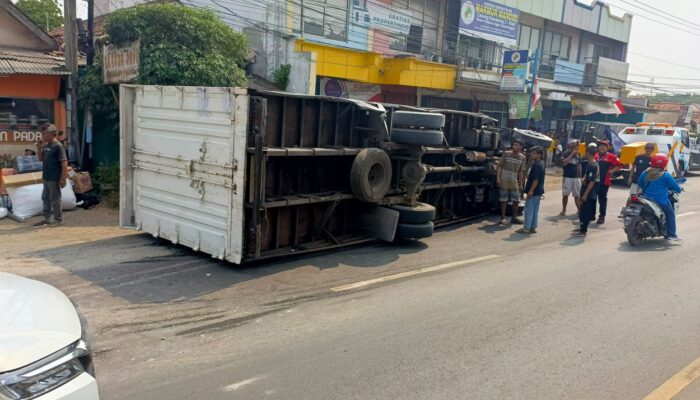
(36, 320)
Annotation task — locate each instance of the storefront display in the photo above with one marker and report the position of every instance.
(21, 119)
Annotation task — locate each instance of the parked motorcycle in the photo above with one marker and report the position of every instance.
(644, 219)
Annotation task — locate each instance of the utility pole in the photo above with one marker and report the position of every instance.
(91, 31)
(90, 60)
(532, 87)
(652, 86)
(71, 56)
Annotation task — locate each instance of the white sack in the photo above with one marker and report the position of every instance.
(26, 200)
(3, 212)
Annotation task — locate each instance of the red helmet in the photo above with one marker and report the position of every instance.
(659, 161)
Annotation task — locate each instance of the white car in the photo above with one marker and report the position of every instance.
(43, 351)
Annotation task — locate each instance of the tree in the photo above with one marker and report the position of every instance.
(179, 46)
(45, 13)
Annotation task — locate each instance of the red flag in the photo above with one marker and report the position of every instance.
(535, 93)
(619, 108)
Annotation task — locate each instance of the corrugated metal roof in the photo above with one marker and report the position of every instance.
(664, 107)
(13, 61)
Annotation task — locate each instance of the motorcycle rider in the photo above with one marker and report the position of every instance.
(655, 183)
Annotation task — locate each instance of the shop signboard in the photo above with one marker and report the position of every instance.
(387, 17)
(516, 67)
(350, 90)
(19, 136)
(488, 20)
(121, 62)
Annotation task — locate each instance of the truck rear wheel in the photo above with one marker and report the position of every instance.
(370, 176)
(417, 136)
(418, 119)
(420, 214)
(414, 231)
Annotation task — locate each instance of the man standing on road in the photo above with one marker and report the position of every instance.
(534, 189)
(55, 174)
(591, 181)
(571, 185)
(509, 179)
(640, 164)
(608, 164)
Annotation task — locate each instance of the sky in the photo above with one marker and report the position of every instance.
(665, 40)
(663, 48)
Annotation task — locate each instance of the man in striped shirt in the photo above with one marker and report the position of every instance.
(510, 180)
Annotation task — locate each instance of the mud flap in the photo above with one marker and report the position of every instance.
(381, 222)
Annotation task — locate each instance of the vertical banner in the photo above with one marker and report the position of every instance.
(517, 107)
(516, 68)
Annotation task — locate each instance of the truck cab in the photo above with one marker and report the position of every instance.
(669, 140)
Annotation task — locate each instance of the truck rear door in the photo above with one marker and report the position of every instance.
(183, 164)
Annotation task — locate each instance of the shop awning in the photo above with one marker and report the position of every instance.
(27, 62)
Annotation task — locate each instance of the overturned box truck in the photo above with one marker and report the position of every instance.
(246, 175)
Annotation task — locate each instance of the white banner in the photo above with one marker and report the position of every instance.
(385, 17)
(350, 90)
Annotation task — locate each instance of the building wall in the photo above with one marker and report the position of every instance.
(615, 27)
(582, 16)
(15, 35)
(549, 9)
(103, 7)
(595, 18)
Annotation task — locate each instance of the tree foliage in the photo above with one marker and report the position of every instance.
(42, 12)
(179, 46)
(689, 98)
(280, 76)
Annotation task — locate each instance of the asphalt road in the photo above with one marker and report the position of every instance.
(475, 312)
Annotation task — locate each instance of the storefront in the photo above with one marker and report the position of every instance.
(26, 103)
(31, 83)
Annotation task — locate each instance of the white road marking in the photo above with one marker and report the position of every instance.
(357, 285)
(685, 214)
(238, 385)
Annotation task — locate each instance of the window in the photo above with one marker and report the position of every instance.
(556, 46)
(685, 138)
(24, 114)
(529, 37)
(325, 18)
(20, 121)
(480, 53)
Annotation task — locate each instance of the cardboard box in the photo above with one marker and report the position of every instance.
(81, 182)
(22, 179)
(5, 172)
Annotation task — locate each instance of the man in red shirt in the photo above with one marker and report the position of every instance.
(609, 164)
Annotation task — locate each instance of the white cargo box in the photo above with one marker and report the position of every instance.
(183, 165)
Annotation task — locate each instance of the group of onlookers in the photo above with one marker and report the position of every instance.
(586, 178)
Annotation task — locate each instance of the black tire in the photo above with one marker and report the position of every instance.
(418, 119)
(633, 231)
(370, 176)
(415, 136)
(532, 138)
(420, 214)
(414, 231)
